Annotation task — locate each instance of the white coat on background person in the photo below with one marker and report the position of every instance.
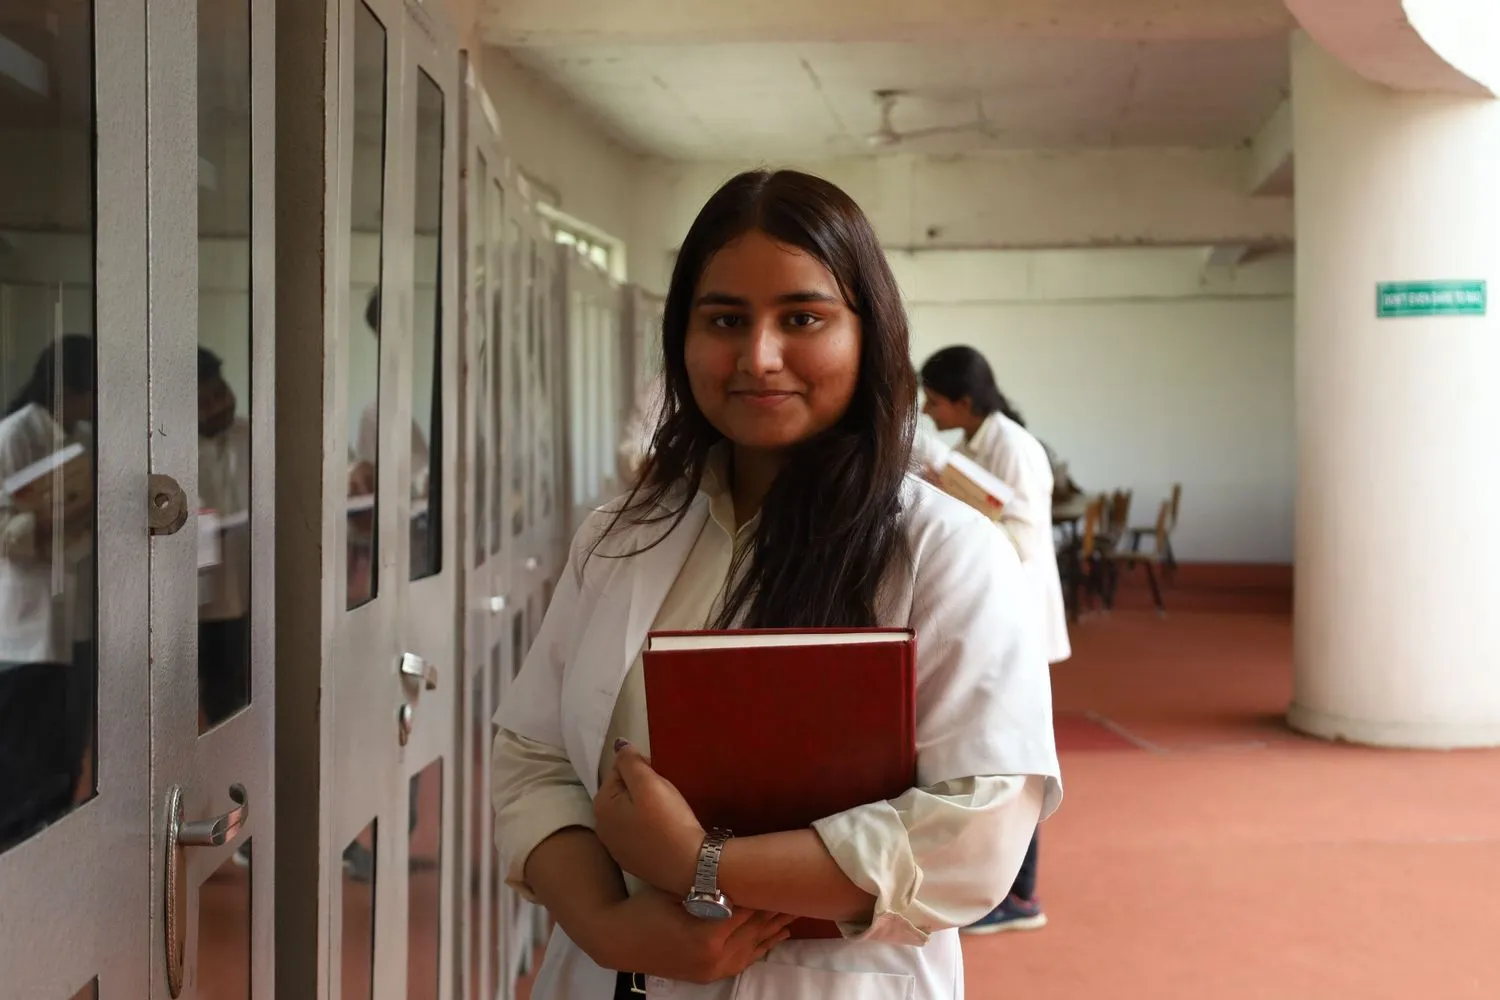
(1007, 450)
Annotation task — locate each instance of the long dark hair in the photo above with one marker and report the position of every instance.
(962, 373)
(75, 352)
(831, 523)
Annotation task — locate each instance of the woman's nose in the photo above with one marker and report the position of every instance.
(761, 353)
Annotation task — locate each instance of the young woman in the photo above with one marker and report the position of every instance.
(778, 496)
(960, 392)
(46, 600)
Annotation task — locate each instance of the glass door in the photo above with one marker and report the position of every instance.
(212, 494)
(396, 672)
(75, 796)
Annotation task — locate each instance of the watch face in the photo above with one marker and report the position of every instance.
(706, 907)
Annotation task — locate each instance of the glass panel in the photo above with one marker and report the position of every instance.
(517, 642)
(223, 360)
(479, 318)
(358, 953)
(365, 252)
(427, 337)
(89, 992)
(479, 808)
(516, 490)
(48, 668)
(498, 942)
(424, 875)
(224, 930)
(499, 261)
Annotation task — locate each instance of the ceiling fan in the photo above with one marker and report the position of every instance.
(886, 135)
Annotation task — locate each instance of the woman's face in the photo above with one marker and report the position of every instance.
(946, 413)
(772, 349)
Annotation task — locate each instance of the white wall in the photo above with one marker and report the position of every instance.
(1140, 371)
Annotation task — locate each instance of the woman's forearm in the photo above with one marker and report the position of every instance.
(574, 877)
(791, 873)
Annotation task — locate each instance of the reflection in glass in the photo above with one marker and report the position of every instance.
(427, 335)
(517, 642)
(357, 961)
(224, 930)
(89, 992)
(223, 360)
(479, 809)
(47, 658)
(365, 253)
(516, 289)
(425, 881)
(479, 317)
(499, 274)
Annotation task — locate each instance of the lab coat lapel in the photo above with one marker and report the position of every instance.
(651, 575)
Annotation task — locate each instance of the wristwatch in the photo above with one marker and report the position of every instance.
(704, 900)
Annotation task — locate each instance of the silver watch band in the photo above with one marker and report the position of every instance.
(706, 878)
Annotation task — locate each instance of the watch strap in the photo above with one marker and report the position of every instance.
(706, 877)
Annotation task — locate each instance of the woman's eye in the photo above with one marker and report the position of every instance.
(802, 319)
(724, 321)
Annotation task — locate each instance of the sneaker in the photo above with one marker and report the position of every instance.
(1015, 914)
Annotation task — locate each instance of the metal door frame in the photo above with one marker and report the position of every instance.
(78, 894)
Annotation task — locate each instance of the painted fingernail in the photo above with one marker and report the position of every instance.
(621, 744)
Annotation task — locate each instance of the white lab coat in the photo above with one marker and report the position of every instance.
(984, 707)
(1013, 454)
(47, 596)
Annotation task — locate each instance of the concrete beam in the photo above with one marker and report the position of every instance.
(526, 23)
(1415, 45)
(1271, 170)
(1011, 201)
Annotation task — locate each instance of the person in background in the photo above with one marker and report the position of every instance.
(640, 428)
(46, 597)
(961, 394)
(224, 489)
(779, 495)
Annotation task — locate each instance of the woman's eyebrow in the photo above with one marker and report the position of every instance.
(736, 301)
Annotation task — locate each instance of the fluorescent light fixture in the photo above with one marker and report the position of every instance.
(23, 67)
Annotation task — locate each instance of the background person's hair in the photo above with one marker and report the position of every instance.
(959, 373)
(76, 352)
(209, 365)
(831, 523)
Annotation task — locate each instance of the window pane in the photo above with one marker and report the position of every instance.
(365, 251)
(47, 658)
(427, 337)
(224, 351)
(357, 952)
(424, 883)
(499, 275)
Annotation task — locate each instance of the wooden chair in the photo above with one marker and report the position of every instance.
(1116, 520)
(1152, 561)
(1081, 563)
(1164, 545)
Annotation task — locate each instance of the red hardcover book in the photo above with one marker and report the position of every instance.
(769, 730)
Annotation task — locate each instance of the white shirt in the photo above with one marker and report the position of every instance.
(224, 488)
(46, 589)
(936, 858)
(1010, 452)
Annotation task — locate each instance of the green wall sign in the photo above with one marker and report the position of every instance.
(1397, 299)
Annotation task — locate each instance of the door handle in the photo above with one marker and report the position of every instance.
(214, 832)
(418, 669)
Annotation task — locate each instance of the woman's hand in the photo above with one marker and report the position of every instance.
(655, 936)
(646, 825)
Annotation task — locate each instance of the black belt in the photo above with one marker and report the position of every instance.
(629, 985)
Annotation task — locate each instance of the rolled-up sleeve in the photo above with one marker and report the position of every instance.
(536, 792)
(937, 857)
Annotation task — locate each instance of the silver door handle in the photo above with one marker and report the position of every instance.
(404, 721)
(214, 832)
(415, 667)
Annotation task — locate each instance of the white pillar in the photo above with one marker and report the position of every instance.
(1398, 420)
